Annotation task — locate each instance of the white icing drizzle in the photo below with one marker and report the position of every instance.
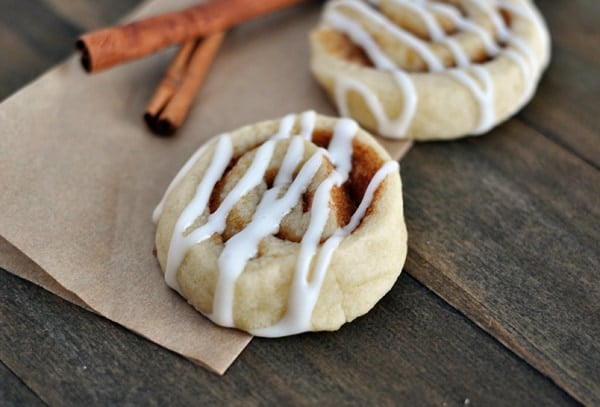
(381, 61)
(522, 54)
(460, 57)
(304, 293)
(290, 162)
(308, 124)
(484, 96)
(527, 73)
(285, 127)
(276, 202)
(500, 28)
(483, 92)
(179, 243)
(385, 125)
(360, 37)
(184, 170)
(464, 24)
(436, 33)
(414, 42)
(244, 245)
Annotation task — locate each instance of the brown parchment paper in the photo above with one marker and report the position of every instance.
(80, 174)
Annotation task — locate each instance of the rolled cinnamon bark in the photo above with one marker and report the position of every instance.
(169, 84)
(110, 46)
(177, 90)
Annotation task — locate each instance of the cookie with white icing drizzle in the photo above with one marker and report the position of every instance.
(284, 226)
(430, 69)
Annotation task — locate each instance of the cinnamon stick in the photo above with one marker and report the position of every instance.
(171, 81)
(177, 90)
(110, 46)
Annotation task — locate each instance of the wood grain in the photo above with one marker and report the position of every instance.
(412, 348)
(37, 34)
(13, 392)
(504, 227)
(565, 107)
(514, 245)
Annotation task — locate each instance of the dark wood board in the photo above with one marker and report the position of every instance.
(514, 245)
(37, 34)
(503, 227)
(565, 108)
(413, 348)
(13, 392)
(506, 227)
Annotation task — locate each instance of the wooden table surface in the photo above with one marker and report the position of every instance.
(499, 302)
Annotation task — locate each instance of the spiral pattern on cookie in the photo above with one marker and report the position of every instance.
(426, 69)
(259, 228)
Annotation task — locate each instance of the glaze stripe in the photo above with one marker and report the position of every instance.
(274, 205)
(476, 78)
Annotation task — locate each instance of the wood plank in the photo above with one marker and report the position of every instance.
(564, 125)
(13, 391)
(23, 65)
(565, 108)
(36, 35)
(92, 14)
(505, 227)
(574, 25)
(412, 348)
(32, 21)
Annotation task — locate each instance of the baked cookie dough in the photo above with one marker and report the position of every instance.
(427, 69)
(284, 226)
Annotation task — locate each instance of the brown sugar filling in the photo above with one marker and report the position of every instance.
(344, 199)
(341, 45)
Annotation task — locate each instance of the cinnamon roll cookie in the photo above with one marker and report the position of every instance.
(284, 226)
(430, 69)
